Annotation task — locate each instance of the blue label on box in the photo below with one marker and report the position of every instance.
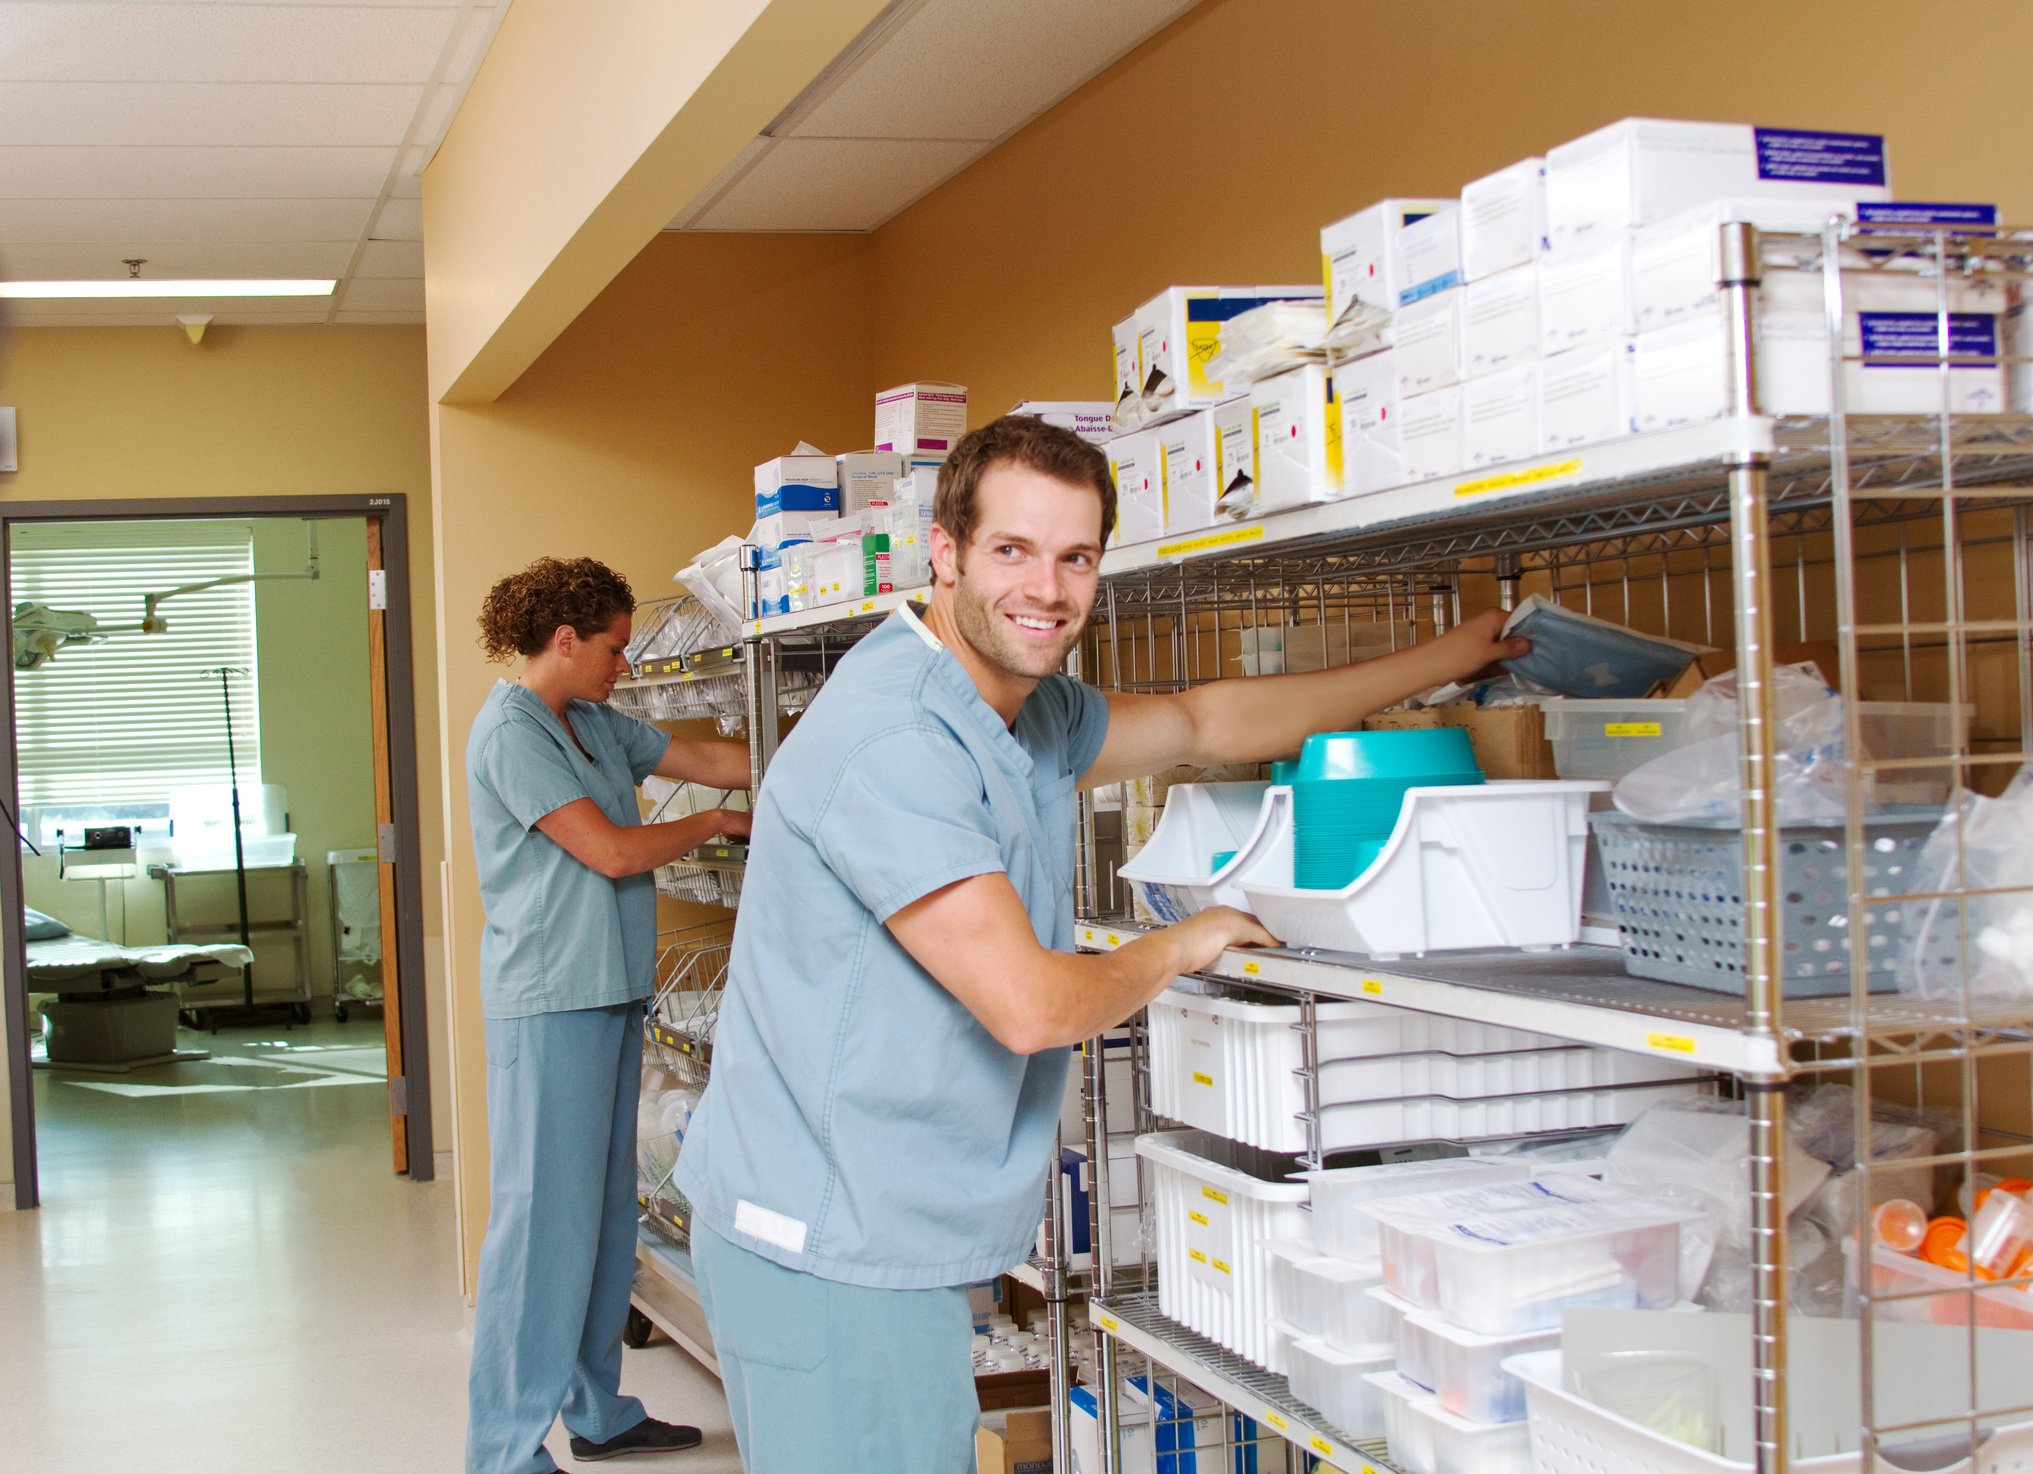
(1433, 288)
(1221, 309)
(1913, 212)
(1916, 336)
(793, 496)
(1807, 157)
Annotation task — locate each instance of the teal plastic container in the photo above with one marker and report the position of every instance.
(1284, 770)
(1350, 788)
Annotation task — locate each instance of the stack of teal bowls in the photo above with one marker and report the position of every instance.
(1348, 790)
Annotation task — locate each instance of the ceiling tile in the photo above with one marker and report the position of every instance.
(72, 42)
(391, 258)
(106, 173)
(166, 113)
(408, 182)
(48, 221)
(399, 220)
(382, 296)
(75, 261)
(981, 69)
(827, 184)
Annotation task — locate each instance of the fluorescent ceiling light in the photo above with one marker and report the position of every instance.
(138, 287)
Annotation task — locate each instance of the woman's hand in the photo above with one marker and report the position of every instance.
(1478, 643)
(735, 823)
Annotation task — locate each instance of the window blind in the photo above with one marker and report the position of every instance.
(130, 718)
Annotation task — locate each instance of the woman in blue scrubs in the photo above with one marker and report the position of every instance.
(567, 961)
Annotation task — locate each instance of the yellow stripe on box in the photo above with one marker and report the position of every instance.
(1216, 1194)
(1558, 471)
(1196, 1256)
(1221, 1265)
(1371, 985)
(1199, 1218)
(1632, 729)
(1275, 1421)
(1200, 1079)
(1670, 1043)
(1252, 968)
(1322, 1446)
(1226, 539)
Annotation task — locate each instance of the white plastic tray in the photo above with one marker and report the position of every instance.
(1483, 866)
(1174, 872)
(1410, 1438)
(1336, 1384)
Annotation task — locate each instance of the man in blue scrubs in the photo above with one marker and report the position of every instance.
(891, 1052)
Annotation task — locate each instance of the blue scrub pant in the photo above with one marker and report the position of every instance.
(821, 1375)
(559, 1256)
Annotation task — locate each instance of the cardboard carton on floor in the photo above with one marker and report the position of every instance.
(1022, 1445)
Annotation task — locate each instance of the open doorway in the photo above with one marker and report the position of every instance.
(214, 930)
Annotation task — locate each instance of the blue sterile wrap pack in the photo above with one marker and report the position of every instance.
(1577, 654)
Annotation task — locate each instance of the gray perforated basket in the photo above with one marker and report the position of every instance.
(1678, 890)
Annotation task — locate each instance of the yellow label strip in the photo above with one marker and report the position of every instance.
(1216, 1194)
(1275, 1421)
(1321, 1446)
(1557, 471)
(1252, 968)
(1199, 1218)
(1221, 1265)
(1670, 1043)
(1632, 729)
(1372, 987)
(1196, 1256)
(1108, 1324)
(1200, 1079)
(1211, 540)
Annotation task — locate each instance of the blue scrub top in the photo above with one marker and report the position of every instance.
(558, 933)
(860, 1123)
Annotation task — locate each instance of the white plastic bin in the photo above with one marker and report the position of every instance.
(1942, 1297)
(1468, 1374)
(1511, 1259)
(1437, 1118)
(1340, 1225)
(1226, 1065)
(1174, 872)
(1415, 1359)
(1410, 1439)
(1490, 865)
(1606, 739)
(1462, 1447)
(1350, 1320)
(1292, 1304)
(1336, 1384)
(1211, 1222)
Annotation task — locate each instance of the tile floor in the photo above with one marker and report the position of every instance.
(226, 1277)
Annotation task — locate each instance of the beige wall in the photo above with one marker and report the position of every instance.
(256, 411)
(633, 440)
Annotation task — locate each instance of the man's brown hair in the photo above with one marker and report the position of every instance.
(1020, 440)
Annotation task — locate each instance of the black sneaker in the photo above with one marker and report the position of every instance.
(647, 1437)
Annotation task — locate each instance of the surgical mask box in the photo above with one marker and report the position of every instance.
(1128, 411)
(1585, 294)
(1189, 460)
(1503, 220)
(1427, 341)
(1179, 334)
(1091, 420)
(1676, 263)
(1430, 434)
(1367, 391)
(1586, 396)
(1644, 170)
(920, 417)
(1500, 417)
(797, 483)
(775, 529)
(1298, 434)
(1139, 487)
(868, 476)
(1362, 257)
(1500, 321)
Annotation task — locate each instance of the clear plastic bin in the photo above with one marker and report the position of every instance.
(1410, 1439)
(1344, 1229)
(1468, 1374)
(1291, 1303)
(1415, 1361)
(1335, 1384)
(1350, 1320)
(1606, 739)
(1511, 1258)
(1939, 1296)
(1462, 1447)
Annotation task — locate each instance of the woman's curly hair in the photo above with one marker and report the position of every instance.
(523, 610)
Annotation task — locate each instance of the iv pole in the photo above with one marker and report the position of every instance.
(249, 1011)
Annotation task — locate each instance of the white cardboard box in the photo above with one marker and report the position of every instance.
(1091, 420)
(778, 528)
(1643, 170)
(920, 417)
(1500, 321)
(1500, 417)
(786, 477)
(1298, 433)
(1431, 252)
(1362, 256)
(868, 476)
(1586, 396)
(1429, 434)
(1367, 391)
(1128, 410)
(837, 571)
(1179, 334)
(1134, 466)
(1503, 219)
(1675, 263)
(1427, 338)
(1235, 464)
(1585, 294)
(2017, 327)
(1189, 456)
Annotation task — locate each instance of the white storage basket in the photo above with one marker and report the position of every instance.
(1482, 866)
(1174, 873)
(1213, 1223)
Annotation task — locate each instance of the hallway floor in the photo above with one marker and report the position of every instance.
(226, 1276)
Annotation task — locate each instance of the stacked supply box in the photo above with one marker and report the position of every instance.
(1363, 257)
(793, 495)
(868, 476)
(923, 418)
(1366, 390)
(1298, 430)
(1092, 420)
(1190, 460)
(1179, 335)
(1134, 465)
